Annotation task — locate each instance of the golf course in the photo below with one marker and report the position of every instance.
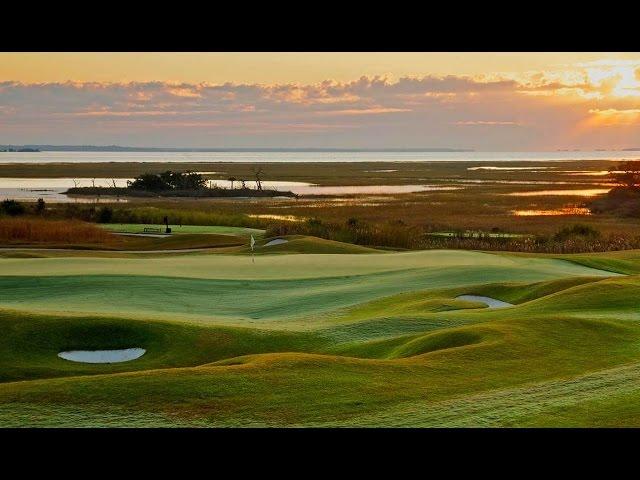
(311, 332)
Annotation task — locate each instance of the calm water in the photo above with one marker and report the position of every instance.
(257, 157)
(51, 189)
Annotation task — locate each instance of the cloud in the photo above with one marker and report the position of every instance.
(486, 123)
(366, 112)
(613, 117)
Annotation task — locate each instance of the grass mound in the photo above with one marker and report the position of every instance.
(625, 262)
(308, 244)
(524, 292)
(410, 346)
(29, 347)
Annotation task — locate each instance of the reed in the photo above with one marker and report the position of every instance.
(38, 230)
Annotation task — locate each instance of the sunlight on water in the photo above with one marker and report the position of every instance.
(589, 192)
(286, 218)
(509, 168)
(557, 211)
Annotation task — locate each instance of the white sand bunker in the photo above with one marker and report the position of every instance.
(103, 356)
(276, 241)
(488, 301)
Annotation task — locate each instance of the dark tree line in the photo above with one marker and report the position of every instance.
(626, 174)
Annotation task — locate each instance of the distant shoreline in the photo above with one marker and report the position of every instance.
(116, 148)
(30, 148)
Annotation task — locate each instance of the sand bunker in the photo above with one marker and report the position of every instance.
(103, 356)
(276, 241)
(488, 301)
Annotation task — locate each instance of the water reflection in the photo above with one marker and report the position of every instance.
(510, 168)
(286, 218)
(51, 189)
(588, 192)
(552, 212)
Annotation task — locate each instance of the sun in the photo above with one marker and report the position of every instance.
(618, 81)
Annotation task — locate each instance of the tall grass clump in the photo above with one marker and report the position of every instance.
(392, 234)
(37, 230)
(153, 216)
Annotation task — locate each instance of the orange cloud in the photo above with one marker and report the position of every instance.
(485, 122)
(363, 111)
(612, 116)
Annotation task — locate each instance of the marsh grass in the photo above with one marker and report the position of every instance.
(576, 238)
(37, 230)
(152, 215)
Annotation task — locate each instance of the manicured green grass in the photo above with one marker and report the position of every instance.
(626, 262)
(269, 290)
(351, 339)
(180, 229)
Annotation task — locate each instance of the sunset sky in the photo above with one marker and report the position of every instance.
(484, 101)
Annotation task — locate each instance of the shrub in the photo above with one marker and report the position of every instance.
(105, 215)
(577, 230)
(13, 208)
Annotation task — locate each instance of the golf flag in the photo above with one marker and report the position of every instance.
(253, 242)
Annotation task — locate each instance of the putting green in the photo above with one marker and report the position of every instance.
(280, 267)
(232, 289)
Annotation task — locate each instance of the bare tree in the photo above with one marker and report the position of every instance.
(75, 183)
(93, 182)
(258, 173)
(232, 179)
(114, 183)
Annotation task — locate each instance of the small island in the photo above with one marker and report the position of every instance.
(14, 149)
(180, 184)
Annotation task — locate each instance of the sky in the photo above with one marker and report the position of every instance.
(505, 101)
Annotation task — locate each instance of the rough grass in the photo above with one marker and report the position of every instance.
(25, 230)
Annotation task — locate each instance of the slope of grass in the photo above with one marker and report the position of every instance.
(311, 339)
(283, 267)
(298, 290)
(303, 389)
(307, 244)
(626, 262)
(523, 292)
(31, 342)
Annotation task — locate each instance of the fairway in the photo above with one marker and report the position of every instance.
(297, 338)
(221, 230)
